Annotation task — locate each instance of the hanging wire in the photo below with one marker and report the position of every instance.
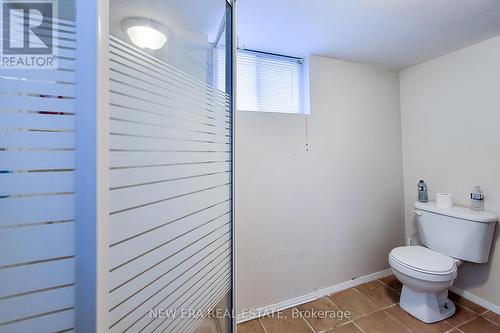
(307, 135)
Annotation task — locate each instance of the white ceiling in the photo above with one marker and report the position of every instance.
(391, 33)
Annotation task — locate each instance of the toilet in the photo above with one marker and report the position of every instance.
(449, 236)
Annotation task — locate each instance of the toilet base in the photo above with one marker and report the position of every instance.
(427, 307)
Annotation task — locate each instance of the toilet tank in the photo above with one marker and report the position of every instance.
(459, 232)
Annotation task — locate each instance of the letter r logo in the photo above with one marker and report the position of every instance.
(27, 28)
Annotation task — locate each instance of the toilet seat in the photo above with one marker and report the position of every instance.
(423, 263)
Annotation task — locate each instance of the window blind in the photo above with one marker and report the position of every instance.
(269, 83)
(221, 69)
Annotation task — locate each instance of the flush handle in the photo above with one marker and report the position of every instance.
(418, 213)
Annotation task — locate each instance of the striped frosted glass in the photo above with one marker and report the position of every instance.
(37, 221)
(170, 193)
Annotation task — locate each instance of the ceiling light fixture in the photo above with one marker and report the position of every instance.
(146, 33)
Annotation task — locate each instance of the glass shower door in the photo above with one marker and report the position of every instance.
(170, 214)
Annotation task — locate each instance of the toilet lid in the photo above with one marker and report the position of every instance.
(423, 259)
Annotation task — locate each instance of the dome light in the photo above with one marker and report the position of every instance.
(146, 33)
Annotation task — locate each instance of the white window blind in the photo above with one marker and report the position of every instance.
(269, 83)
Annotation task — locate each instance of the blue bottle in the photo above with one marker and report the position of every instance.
(422, 191)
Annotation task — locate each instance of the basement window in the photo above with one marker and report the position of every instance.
(269, 83)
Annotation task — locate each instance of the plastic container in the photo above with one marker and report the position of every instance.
(423, 196)
(477, 199)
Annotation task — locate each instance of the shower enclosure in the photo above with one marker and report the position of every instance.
(116, 168)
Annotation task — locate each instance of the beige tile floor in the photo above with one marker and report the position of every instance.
(208, 325)
(374, 308)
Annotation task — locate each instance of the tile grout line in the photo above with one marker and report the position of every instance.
(347, 322)
(460, 324)
(463, 306)
(367, 314)
(302, 317)
(465, 322)
(369, 300)
(343, 324)
(328, 298)
(262, 325)
(359, 328)
(352, 319)
(491, 321)
(383, 308)
(307, 323)
(339, 309)
(370, 313)
(398, 321)
(385, 284)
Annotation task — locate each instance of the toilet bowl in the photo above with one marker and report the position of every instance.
(426, 276)
(448, 236)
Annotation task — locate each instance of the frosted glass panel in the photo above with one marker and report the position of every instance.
(170, 246)
(37, 167)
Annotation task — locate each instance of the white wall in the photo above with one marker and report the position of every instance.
(312, 219)
(451, 138)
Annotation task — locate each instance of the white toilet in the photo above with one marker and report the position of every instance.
(449, 235)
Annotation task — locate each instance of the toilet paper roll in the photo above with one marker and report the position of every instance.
(444, 200)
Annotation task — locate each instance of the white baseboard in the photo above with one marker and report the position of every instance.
(476, 299)
(249, 315)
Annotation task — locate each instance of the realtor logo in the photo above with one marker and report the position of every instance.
(28, 34)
